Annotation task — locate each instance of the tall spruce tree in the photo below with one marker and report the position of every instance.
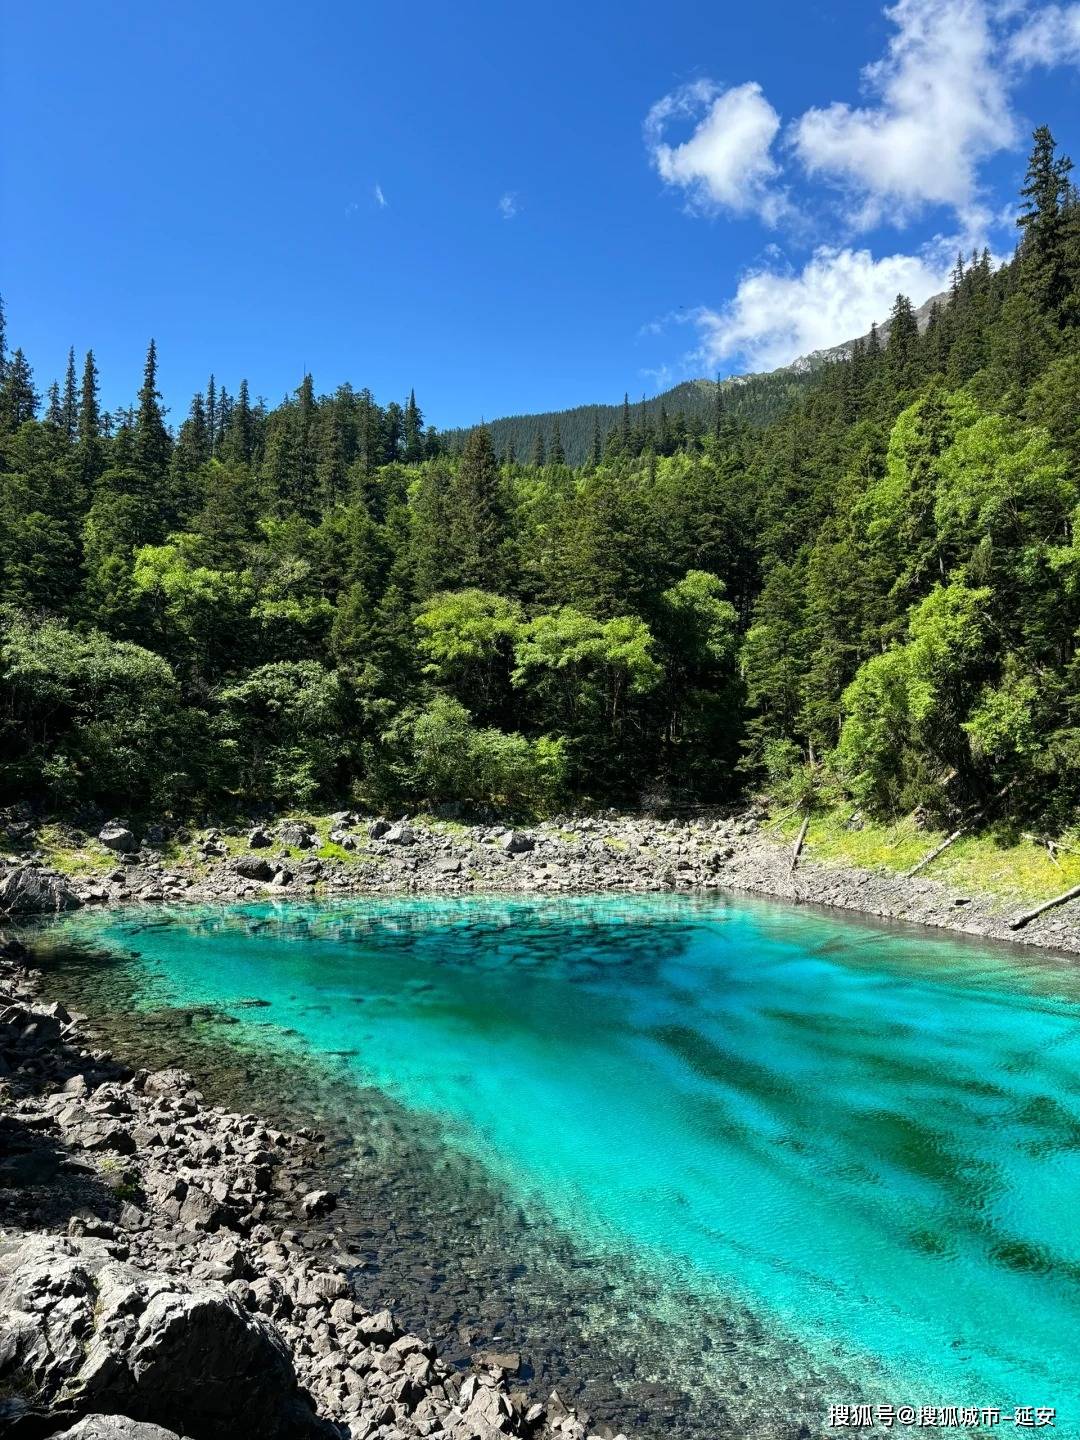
(477, 514)
(71, 399)
(151, 440)
(1045, 224)
(18, 398)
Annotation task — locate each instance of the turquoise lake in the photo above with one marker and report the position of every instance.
(863, 1141)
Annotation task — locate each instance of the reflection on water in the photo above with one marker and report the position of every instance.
(798, 1146)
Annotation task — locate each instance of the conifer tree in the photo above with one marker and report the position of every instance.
(18, 398)
(89, 421)
(393, 432)
(413, 424)
(902, 350)
(538, 455)
(1045, 225)
(211, 411)
(557, 455)
(477, 515)
(151, 439)
(54, 412)
(240, 437)
(71, 399)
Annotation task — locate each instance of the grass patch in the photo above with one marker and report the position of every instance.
(614, 842)
(68, 859)
(994, 862)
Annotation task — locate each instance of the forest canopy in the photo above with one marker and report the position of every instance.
(877, 579)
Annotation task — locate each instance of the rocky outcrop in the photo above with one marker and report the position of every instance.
(29, 890)
(253, 867)
(118, 835)
(114, 1427)
(84, 1331)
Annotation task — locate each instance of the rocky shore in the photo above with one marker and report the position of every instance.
(166, 1265)
(346, 854)
(162, 1273)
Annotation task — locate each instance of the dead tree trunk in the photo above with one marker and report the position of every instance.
(963, 830)
(799, 844)
(1063, 899)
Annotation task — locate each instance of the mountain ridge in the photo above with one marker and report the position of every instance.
(756, 398)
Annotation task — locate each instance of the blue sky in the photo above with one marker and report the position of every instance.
(508, 207)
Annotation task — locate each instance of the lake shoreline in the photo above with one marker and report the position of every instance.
(351, 855)
(168, 1260)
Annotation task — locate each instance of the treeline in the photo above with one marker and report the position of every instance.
(678, 419)
(879, 591)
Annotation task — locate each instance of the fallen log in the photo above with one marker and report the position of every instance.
(1062, 899)
(799, 844)
(963, 830)
(935, 853)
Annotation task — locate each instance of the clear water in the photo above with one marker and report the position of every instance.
(867, 1138)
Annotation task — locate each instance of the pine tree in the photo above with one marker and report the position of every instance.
(211, 411)
(597, 442)
(90, 429)
(224, 415)
(393, 432)
(902, 349)
(538, 455)
(3, 341)
(1044, 223)
(71, 399)
(414, 430)
(624, 432)
(89, 415)
(240, 437)
(18, 398)
(557, 455)
(54, 413)
(151, 439)
(478, 528)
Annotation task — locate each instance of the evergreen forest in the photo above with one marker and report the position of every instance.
(870, 582)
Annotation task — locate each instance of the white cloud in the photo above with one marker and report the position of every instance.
(1049, 37)
(380, 199)
(508, 205)
(777, 316)
(943, 107)
(727, 161)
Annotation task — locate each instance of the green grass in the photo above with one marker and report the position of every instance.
(68, 859)
(996, 863)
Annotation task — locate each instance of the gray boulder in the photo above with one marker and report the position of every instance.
(400, 835)
(258, 838)
(345, 839)
(116, 835)
(296, 834)
(114, 1427)
(81, 1330)
(253, 867)
(318, 1202)
(28, 891)
(515, 842)
(379, 828)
